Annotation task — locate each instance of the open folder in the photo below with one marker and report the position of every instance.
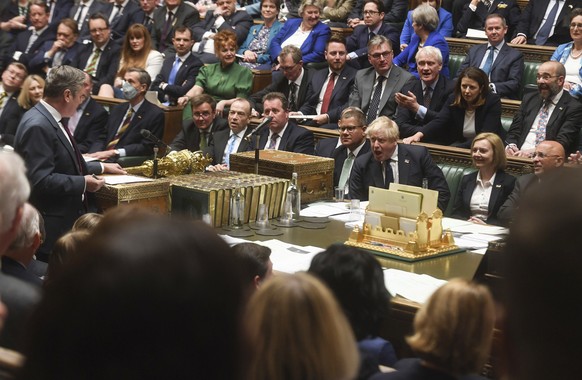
(430, 198)
(394, 203)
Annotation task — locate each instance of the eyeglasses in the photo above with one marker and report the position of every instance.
(542, 155)
(288, 68)
(575, 25)
(204, 114)
(546, 77)
(384, 54)
(348, 129)
(97, 30)
(371, 13)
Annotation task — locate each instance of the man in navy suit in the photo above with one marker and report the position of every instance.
(357, 42)
(148, 8)
(392, 162)
(345, 149)
(175, 13)
(61, 51)
(10, 111)
(232, 140)
(421, 100)
(224, 17)
(179, 71)
(475, 14)
(127, 120)
(545, 22)
(395, 12)
(100, 57)
(295, 78)
(550, 114)
(123, 14)
(61, 180)
(329, 89)
(81, 12)
(28, 42)
(196, 133)
(505, 67)
(283, 134)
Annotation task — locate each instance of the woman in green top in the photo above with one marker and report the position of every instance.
(224, 81)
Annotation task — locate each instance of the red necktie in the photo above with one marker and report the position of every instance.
(327, 94)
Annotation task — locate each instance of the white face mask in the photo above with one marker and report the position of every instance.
(129, 92)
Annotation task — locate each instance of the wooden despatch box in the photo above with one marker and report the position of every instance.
(152, 195)
(314, 174)
(209, 193)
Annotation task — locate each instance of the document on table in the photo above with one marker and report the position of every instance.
(474, 228)
(412, 286)
(290, 258)
(119, 179)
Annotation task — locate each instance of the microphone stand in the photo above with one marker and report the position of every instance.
(257, 137)
(155, 168)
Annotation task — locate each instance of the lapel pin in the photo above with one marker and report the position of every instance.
(407, 161)
(139, 116)
(497, 186)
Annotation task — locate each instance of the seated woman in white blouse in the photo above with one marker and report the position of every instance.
(482, 193)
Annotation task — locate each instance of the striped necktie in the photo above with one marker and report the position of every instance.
(113, 143)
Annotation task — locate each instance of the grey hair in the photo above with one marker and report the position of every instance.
(426, 16)
(313, 3)
(61, 78)
(431, 51)
(28, 229)
(14, 187)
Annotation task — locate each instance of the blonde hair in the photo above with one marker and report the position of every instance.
(24, 100)
(499, 157)
(454, 329)
(131, 58)
(299, 332)
(385, 126)
(87, 222)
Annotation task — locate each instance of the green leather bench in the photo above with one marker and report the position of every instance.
(453, 175)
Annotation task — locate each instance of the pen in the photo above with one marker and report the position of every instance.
(95, 176)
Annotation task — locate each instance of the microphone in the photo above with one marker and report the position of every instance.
(259, 128)
(150, 136)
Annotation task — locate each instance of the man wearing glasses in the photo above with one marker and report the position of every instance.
(357, 42)
(551, 114)
(548, 156)
(195, 133)
(293, 83)
(375, 87)
(344, 150)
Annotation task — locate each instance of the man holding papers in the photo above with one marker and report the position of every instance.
(392, 162)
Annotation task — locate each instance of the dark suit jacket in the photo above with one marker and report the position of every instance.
(149, 116)
(281, 84)
(108, 63)
(218, 141)
(328, 148)
(21, 42)
(339, 96)
(13, 268)
(189, 135)
(312, 48)
(295, 139)
(57, 183)
(522, 184)
(532, 17)
(502, 187)
(240, 23)
(414, 164)
(506, 72)
(357, 42)
(406, 119)
(130, 14)
(92, 126)
(364, 83)
(60, 10)
(394, 10)
(408, 56)
(185, 78)
(10, 118)
(96, 7)
(447, 127)
(38, 62)
(185, 14)
(563, 125)
(476, 20)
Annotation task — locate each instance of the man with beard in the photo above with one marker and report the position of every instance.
(550, 115)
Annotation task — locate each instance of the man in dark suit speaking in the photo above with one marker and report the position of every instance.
(392, 162)
(60, 178)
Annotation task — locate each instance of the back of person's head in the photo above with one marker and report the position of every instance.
(29, 230)
(299, 332)
(87, 222)
(150, 298)
(14, 188)
(356, 279)
(255, 261)
(65, 249)
(543, 286)
(454, 329)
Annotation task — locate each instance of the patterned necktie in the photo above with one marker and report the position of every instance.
(174, 72)
(544, 32)
(3, 97)
(375, 102)
(203, 140)
(31, 41)
(273, 141)
(346, 169)
(92, 66)
(489, 61)
(229, 149)
(389, 175)
(293, 96)
(123, 128)
(328, 92)
(166, 31)
(427, 96)
(542, 122)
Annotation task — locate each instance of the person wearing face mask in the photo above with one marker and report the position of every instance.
(128, 119)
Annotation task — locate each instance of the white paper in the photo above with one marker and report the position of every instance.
(286, 260)
(476, 33)
(412, 286)
(89, 159)
(474, 228)
(119, 179)
(451, 223)
(302, 116)
(325, 209)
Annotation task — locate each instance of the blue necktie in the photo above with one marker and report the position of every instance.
(229, 149)
(489, 60)
(544, 32)
(174, 71)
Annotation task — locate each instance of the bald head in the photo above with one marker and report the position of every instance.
(548, 155)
